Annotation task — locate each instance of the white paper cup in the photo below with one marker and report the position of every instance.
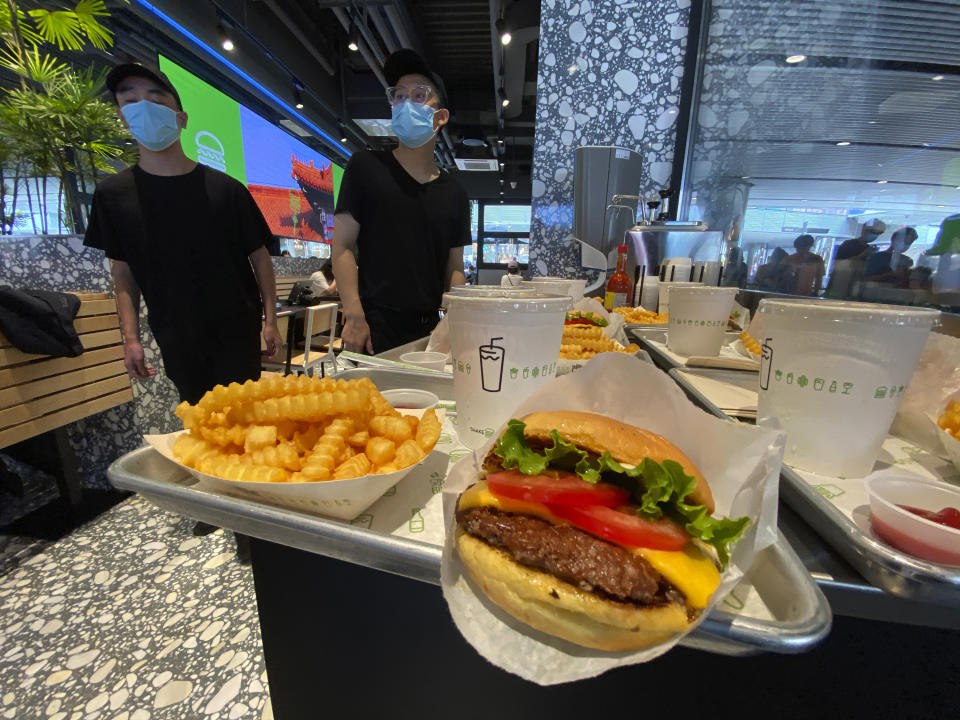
(503, 349)
(429, 360)
(663, 288)
(698, 319)
(832, 375)
(574, 287)
(410, 398)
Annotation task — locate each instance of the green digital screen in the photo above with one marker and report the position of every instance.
(294, 186)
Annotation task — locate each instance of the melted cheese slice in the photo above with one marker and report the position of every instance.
(688, 570)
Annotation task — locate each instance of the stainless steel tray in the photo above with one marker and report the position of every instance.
(899, 574)
(737, 378)
(800, 614)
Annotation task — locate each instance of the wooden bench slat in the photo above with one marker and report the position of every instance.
(97, 307)
(63, 417)
(46, 367)
(12, 356)
(58, 401)
(91, 295)
(57, 383)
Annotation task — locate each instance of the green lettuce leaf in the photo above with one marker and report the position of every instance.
(586, 314)
(659, 489)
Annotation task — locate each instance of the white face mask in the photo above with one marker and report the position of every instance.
(152, 125)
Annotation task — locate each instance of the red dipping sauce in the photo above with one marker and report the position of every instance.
(949, 516)
(911, 545)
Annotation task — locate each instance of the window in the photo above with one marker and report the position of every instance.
(838, 125)
(505, 234)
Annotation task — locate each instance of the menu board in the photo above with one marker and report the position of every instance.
(813, 221)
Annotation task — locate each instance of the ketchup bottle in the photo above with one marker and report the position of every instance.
(619, 288)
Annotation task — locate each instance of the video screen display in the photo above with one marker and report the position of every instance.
(294, 186)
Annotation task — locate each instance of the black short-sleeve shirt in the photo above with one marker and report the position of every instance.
(407, 230)
(186, 239)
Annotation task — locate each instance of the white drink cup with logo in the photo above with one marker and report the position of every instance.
(504, 346)
(664, 297)
(832, 375)
(698, 319)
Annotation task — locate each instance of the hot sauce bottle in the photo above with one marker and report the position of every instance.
(619, 288)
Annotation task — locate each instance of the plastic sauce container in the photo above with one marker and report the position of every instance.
(906, 531)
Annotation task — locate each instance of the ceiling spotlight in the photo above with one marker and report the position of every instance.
(794, 59)
(881, 182)
(843, 143)
(871, 122)
(937, 77)
(501, 192)
(501, 164)
(502, 181)
(500, 141)
(505, 36)
(343, 133)
(504, 100)
(223, 35)
(353, 43)
(941, 205)
(513, 184)
(297, 99)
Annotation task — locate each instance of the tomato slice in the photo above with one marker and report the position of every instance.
(579, 321)
(555, 488)
(624, 528)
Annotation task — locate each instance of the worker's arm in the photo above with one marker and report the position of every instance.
(266, 282)
(128, 307)
(343, 253)
(454, 273)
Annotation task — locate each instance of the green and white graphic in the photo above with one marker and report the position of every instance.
(416, 524)
(829, 491)
(212, 136)
(364, 520)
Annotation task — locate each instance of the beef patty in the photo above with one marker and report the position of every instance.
(569, 554)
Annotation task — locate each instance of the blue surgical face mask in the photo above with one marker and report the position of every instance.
(413, 123)
(153, 126)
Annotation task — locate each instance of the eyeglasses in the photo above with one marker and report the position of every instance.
(418, 94)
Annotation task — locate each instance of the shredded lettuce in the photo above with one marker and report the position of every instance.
(659, 489)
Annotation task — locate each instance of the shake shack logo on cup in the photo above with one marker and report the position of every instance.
(698, 322)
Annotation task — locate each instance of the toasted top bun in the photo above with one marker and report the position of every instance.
(564, 610)
(625, 443)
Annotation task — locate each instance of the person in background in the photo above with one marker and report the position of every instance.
(891, 266)
(846, 278)
(808, 268)
(189, 239)
(735, 269)
(322, 281)
(776, 275)
(193, 242)
(512, 277)
(401, 223)
(470, 274)
(285, 253)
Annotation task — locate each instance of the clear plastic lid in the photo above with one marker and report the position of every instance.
(490, 290)
(508, 300)
(852, 312)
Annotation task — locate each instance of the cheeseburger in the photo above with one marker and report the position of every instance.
(594, 531)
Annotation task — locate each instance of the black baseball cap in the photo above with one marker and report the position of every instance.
(409, 62)
(137, 70)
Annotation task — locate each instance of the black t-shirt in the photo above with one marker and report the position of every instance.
(186, 239)
(406, 230)
(851, 248)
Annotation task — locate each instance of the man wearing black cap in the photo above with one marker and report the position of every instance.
(401, 222)
(191, 240)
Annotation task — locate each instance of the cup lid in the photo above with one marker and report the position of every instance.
(854, 312)
(509, 301)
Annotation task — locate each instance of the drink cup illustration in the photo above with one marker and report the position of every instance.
(491, 366)
(513, 373)
(766, 363)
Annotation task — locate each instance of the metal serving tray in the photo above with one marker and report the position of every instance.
(795, 615)
(899, 574)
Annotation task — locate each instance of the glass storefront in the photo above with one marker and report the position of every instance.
(824, 146)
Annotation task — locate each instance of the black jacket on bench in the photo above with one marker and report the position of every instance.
(39, 321)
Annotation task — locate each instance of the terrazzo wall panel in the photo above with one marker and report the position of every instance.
(609, 74)
(62, 263)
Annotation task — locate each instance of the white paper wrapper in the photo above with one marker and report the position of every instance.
(615, 322)
(935, 381)
(741, 463)
(340, 499)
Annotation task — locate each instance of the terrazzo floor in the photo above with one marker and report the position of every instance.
(130, 617)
